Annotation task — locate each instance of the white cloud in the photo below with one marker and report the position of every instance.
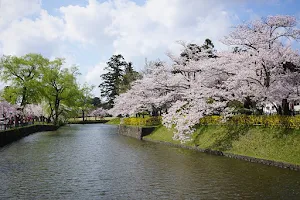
(93, 76)
(87, 24)
(149, 29)
(115, 26)
(11, 10)
(136, 30)
(41, 35)
(140, 31)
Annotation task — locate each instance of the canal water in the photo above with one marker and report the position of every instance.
(93, 162)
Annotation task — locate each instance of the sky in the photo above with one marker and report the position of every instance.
(88, 32)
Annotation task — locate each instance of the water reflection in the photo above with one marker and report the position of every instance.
(93, 162)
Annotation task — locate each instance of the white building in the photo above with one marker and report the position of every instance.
(269, 109)
(297, 107)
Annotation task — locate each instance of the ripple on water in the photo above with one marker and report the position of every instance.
(93, 162)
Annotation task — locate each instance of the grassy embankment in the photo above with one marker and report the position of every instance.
(114, 121)
(266, 141)
(277, 144)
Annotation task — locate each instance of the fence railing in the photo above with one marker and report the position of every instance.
(6, 126)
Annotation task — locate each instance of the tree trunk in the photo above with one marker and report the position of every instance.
(56, 108)
(279, 110)
(56, 116)
(154, 112)
(82, 115)
(247, 102)
(285, 107)
(23, 103)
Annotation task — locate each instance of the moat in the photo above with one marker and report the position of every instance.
(94, 162)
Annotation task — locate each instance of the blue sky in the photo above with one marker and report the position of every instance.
(88, 32)
(261, 8)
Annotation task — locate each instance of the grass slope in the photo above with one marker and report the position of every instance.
(114, 121)
(268, 143)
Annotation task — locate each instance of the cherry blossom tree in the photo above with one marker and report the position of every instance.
(266, 68)
(99, 112)
(157, 89)
(33, 110)
(206, 94)
(263, 66)
(7, 110)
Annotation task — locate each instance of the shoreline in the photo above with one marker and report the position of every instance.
(162, 136)
(89, 122)
(9, 136)
(230, 155)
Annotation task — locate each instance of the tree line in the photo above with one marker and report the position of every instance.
(34, 79)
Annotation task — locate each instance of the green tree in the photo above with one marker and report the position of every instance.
(22, 73)
(111, 85)
(84, 99)
(208, 44)
(193, 51)
(96, 101)
(9, 93)
(130, 75)
(59, 89)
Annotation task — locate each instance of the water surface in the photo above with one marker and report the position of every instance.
(93, 162)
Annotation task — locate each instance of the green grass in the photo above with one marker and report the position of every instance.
(114, 121)
(162, 133)
(268, 143)
(273, 144)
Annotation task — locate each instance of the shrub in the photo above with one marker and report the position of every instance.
(148, 121)
(244, 120)
(249, 120)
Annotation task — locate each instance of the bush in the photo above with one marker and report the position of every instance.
(244, 120)
(211, 120)
(149, 121)
(114, 121)
(263, 120)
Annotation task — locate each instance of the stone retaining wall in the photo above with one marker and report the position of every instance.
(134, 131)
(9, 136)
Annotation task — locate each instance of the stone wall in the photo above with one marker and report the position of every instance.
(134, 131)
(9, 136)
